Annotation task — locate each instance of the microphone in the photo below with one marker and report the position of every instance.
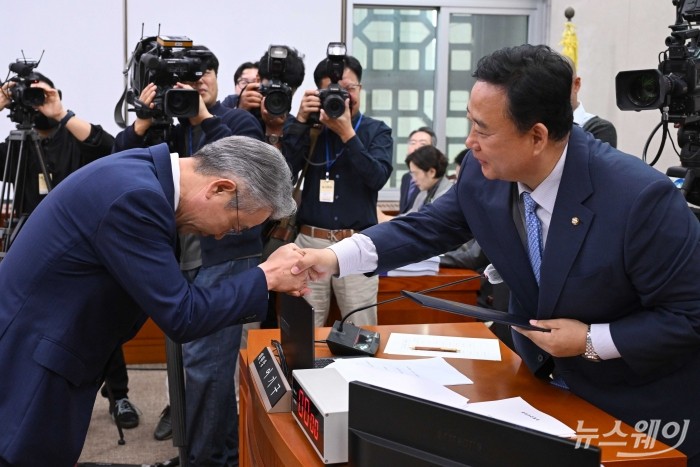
(348, 339)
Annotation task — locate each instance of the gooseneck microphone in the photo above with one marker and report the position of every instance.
(348, 339)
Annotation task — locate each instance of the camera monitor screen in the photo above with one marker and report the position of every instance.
(390, 428)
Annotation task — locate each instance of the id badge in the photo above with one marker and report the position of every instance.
(43, 188)
(326, 192)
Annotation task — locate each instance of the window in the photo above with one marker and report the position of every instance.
(418, 59)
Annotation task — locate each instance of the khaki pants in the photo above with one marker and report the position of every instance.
(351, 292)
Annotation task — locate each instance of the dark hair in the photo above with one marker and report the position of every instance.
(212, 62)
(293, 67)
(350, 62)
(429, 157)
(244, 66)
(537, 81)
(460, 156)
(425, 129)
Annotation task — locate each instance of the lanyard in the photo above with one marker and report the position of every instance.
(329, 164)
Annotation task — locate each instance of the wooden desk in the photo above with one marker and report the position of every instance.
(276, 440)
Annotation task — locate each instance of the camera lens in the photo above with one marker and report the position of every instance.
(334, 105)
(181, 103)
(277, 102)
(644, 89)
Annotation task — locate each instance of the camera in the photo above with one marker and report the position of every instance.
(334, 96)
(674, 89)
(24, 97)
(278, 94)
(165, 61)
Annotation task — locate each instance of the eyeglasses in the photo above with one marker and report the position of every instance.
(237, 230)
(244, 81)
(352, 87)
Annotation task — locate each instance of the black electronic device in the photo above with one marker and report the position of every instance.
(390, 428)
(472, 311)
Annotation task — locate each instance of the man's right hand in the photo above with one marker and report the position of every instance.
(141, 125)
(310, 103)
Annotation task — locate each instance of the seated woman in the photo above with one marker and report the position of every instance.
(428, 167)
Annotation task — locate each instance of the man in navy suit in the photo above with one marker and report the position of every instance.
(620, 249)
(98, 257)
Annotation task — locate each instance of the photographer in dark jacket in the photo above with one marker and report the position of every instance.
(67, 141)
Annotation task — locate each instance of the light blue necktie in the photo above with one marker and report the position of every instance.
(534, 234)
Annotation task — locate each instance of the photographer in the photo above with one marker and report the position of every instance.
(350, 163)
(288, 72)
(67, 141)
(246, 73)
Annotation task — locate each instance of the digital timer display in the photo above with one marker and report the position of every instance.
(309, 416)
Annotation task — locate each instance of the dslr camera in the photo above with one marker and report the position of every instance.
(674, 89)
(277, 93)
(334, 96)
(165, 61)
(24, 97)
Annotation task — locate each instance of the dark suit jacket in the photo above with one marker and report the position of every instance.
(406, 199)
(623, 248)
(94, 260)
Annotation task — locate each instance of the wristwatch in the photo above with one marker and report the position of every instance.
(590, 353)
(273, 139)
(68, 116)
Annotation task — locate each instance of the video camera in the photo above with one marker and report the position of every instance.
(165, 61)
(24, 97)
(278, 94)
(674, 89)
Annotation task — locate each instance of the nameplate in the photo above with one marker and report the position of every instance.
(271, 384)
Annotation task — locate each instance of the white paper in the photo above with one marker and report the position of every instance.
(454, 347)
(435, 369)
(403, 383)
(515, 410)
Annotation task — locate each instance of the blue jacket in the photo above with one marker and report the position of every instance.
(91, 264)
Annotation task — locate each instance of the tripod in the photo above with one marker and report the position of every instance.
(23, 144)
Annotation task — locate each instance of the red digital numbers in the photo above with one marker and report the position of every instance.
(305, 415)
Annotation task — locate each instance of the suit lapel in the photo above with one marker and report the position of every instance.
(571, 221)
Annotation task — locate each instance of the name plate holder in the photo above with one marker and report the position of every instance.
(270, 382)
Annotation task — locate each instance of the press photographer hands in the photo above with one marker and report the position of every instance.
(279, 275)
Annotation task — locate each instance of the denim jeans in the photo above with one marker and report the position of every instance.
(210, 392)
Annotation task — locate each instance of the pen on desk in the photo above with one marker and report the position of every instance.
(434, 349)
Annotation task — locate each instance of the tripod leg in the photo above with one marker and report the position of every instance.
(112, 404)
(176, 388)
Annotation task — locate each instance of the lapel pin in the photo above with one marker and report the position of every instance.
(575, 221)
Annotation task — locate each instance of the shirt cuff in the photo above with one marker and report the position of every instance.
(602, 341)
(356, 255)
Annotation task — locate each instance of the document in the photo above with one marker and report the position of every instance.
(444, 346)
(434, 369)
(518, 412)
(400, 382)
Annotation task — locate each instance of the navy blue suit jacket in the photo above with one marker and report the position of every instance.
(94, 260)
(623, 248)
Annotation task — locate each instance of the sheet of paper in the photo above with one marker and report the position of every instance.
(434, 369)
(403, 383)
(444, 346)
(515, 410)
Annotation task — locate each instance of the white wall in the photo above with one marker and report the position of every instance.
(616, 36)
(84, 46)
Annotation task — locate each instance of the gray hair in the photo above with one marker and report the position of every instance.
(259, 169)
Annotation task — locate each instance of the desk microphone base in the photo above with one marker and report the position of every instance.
(348, 339)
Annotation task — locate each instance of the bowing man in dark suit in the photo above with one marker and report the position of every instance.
(619, 249)
(98, 257)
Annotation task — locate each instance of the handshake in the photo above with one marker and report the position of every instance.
(290, 268)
